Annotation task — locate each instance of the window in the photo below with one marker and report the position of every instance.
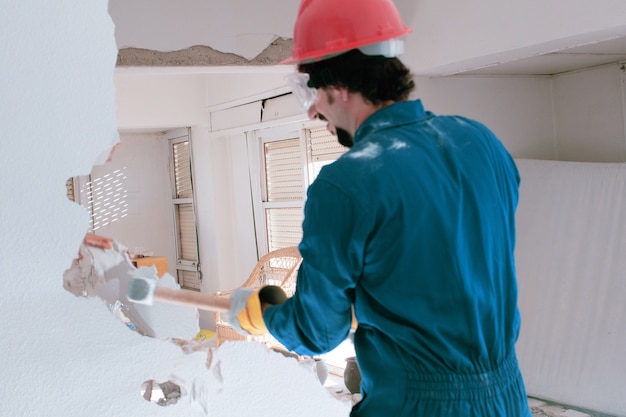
(103, 196)
(289, 166)
(290, 162)
(323, 148)
(187, 257)
(283, 192)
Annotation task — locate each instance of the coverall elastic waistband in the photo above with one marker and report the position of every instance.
(449, 387)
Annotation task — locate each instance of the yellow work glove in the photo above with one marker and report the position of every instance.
(246, 314)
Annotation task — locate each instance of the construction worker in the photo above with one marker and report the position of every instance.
(413, 227)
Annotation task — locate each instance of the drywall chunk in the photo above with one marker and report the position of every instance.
(165, 393)
(103, 269)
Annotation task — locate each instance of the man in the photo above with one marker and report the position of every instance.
(413, 227)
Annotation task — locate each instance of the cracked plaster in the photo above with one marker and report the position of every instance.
(277, 51)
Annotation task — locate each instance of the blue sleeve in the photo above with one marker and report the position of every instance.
(318, 317)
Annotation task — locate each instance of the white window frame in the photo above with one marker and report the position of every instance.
(184, 265)
(256, 144)
(276, 129)
(309, 157)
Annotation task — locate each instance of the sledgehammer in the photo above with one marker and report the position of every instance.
(145, 291)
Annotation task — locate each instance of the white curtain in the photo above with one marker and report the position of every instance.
(571, 263)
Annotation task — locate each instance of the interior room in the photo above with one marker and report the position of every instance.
(167, 153)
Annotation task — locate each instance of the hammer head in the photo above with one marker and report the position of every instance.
(141, 290)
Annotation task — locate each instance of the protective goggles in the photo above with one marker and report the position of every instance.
(299, 84)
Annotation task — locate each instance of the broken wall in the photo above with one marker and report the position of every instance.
(64, 355)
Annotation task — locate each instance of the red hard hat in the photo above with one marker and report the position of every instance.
(327, 28)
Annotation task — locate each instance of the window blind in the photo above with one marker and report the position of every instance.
(104, 197)
(283, 170)
(186, 232)
(182, 170)
(284, 183)
(284, 227)
(187, 265)
(323, 149)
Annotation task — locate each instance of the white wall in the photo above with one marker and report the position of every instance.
(238, 26)
(517, 109)
(61, 355)
(149, 100)
(589, 115)
(571, 237)
(480, 32)
(232, 225)
(64, 356)
(148, 223)
(244, 82)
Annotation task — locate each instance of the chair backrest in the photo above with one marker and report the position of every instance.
(278, 267)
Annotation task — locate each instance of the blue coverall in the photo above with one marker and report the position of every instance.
(415, 227)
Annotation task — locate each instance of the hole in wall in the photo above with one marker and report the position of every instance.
(112, 194)
(119, 195)
(102, 262)
(103, 194)
(114, 197)
(164, 393)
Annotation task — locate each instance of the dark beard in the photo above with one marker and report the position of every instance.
(344, 138)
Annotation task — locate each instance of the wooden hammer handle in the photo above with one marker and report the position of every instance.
(192, 299)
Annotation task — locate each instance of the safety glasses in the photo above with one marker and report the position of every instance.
(298, 82)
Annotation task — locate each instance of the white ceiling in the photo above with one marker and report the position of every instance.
(242, 27)
(566, 60)
(160, 25)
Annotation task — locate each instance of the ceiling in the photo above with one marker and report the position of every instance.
(560, 61)
(168, 32)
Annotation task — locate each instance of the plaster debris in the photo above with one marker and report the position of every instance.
(246, 379)
(277, 51)
(398, 144)
(166, 393)
(87, 272)
(370, 151)
(103, 270)
(541, 408)
(239, 378)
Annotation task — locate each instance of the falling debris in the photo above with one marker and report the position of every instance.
(209, 380)
(166, 393)
(121, 312)
(96, 256)
(103, 270)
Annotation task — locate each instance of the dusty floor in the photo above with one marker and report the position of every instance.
(540, 408)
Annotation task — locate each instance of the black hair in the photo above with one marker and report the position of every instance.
(377, 78)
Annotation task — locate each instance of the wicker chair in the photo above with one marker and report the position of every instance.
(279, 267)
